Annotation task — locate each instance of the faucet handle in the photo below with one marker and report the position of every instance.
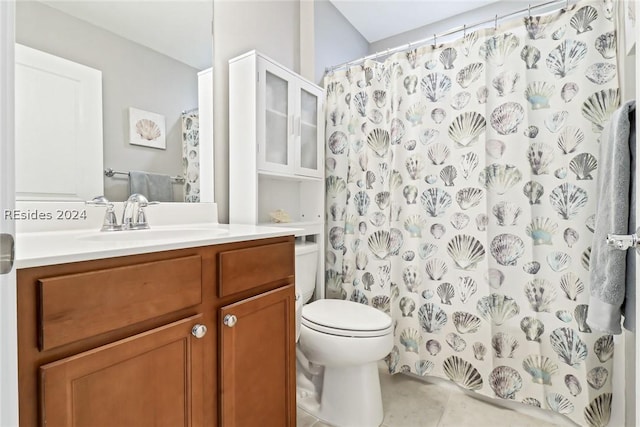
(110, 222)
(98, 201)
(137, 198)
(142, 219)
(141, 200)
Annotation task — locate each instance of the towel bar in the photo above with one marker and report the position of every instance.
(624, 241)
(110, 173)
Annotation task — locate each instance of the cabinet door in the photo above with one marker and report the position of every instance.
(257, 361)
(275, 118)
(309, 152)
(151, 379)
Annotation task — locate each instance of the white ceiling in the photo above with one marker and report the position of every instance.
(379, 19)
(180, 29)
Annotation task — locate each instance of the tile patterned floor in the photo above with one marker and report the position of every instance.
(409, 402)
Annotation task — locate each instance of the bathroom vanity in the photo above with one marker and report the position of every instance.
(164, 331)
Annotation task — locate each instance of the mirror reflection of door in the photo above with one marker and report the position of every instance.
(153, 57)
(58, 116)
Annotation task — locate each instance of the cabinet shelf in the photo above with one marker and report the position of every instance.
(276, 112)
(287, 177)
(306, 227)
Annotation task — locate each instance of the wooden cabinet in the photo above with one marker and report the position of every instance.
(112, 342)
(257, 361)
(151, 379)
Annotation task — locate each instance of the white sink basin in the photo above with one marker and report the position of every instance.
(152, 234)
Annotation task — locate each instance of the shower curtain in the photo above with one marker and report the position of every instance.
(191, 155)
(460, 197)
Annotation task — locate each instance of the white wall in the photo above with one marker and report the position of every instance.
(8, 308)
(133, 76)
(271, 27)
(284, 30)
(336, 40)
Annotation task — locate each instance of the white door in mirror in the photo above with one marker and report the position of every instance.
(58, 128)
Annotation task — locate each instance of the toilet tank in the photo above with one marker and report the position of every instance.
(306, 269)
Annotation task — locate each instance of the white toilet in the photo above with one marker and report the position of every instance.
(339, 345)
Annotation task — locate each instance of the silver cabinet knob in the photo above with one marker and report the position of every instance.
(230, 320)
(199, 331)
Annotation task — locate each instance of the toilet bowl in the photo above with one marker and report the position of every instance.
(339, 345)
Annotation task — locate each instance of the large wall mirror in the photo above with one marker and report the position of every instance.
(153, 62)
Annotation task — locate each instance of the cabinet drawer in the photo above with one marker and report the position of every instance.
(78, 306)
(243, 269)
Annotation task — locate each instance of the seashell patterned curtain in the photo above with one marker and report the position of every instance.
(191, 156)
(460, 200)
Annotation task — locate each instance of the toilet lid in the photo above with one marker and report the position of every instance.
(345, 318)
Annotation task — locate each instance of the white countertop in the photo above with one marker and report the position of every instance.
(34, 249)
(46, 235)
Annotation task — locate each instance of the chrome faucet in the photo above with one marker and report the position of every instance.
(133, 216)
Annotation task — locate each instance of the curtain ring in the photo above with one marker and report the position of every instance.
(464, 30)
(435, 40)
(496, 23)
(529, 10)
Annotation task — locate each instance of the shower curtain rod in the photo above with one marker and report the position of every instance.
(435, 37)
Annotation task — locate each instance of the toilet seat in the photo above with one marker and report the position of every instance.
(346, 319)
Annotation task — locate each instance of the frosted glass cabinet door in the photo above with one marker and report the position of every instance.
(274, 152)
(309, 154)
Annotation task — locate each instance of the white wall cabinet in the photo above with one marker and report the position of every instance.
(288, 111)
(276, 148)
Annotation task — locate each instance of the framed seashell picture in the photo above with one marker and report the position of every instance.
(147, 129)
